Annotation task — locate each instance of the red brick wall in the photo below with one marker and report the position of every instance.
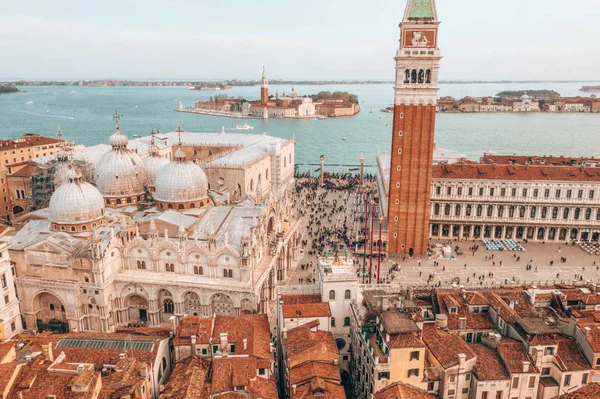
(411, 229)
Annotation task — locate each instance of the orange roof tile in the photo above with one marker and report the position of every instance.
(446, 347)
(187, 380)
(589, 391)
(399, 390)
(513, 353)
(304, 310)
(489, 366)
(514, 172)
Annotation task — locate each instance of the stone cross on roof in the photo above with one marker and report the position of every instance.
(116, 117)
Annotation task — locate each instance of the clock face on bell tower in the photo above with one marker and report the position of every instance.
(417, 68)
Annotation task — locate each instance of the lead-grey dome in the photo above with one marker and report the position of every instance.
(76, 202)
(153, 164)
(120, 172)
(181, 181)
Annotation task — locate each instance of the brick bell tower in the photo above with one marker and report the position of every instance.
(415, 95)
(264, 89)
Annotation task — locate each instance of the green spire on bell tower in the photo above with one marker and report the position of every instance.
(421, 9)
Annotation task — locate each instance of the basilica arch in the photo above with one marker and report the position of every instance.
(222, 304)
(50, 312)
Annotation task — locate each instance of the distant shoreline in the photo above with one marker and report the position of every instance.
(242, 83)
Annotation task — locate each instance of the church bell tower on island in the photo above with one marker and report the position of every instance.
(415, 97)
(264, 89)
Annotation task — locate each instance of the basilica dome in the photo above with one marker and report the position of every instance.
(76, 205)
(181, 184)
(153, 163)
(120, 173)
(61, 171)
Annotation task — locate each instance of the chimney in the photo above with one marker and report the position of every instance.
(538, 352)
(462, 323)
(284, 333)
(441, 321)
(47, 351)
(335, 361)
(532, 294)
(80, 368)
(193, 340)
(294, 389)
(245, 344)
(121, 356)
(144, 372)
(525, 367)
(461, 360)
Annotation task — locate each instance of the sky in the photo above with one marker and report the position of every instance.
(301, 39)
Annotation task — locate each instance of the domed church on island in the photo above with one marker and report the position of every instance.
(176, 224)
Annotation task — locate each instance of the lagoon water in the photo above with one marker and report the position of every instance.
(84, 114)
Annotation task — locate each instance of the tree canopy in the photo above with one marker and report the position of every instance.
(344, 95)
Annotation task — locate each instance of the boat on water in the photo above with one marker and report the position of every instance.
(343, 138)
(321, 117)
(245, 126)
(372, 111)
(29, 102)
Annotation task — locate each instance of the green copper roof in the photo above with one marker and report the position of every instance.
(421, 9)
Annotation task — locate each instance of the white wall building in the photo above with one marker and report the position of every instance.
(10, 316)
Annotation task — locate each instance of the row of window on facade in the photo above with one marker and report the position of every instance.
(347, 294)
(491, 192)
(346, 322)
(199, 270)
(512, 210)
(417, 76)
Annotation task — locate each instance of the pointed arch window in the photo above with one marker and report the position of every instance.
(428, 76)
(413, 76)
(168, 306)
(421, 76)
(407, 76)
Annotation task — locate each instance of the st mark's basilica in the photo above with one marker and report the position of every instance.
(174, 224)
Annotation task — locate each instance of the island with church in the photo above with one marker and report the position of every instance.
(292, 105)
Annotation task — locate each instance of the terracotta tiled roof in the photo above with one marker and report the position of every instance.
(589, 391)
(445, 347)
(26, 171)
(295, 299)
(188, 380)
(231, 372)
(401, 341)
(402, 391)
(319, 388)
(475, 298)
(314, 369)
(27, 140)
(513, 172)
(306, 310)
(254, 328)
(507, 313)
(592, 334)
(589, 298)
(475, 321)
(534, 159)
(513, 353)
(489, 366)
(569, 356)
(201, 327)
(304, 343)
(6, 351)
